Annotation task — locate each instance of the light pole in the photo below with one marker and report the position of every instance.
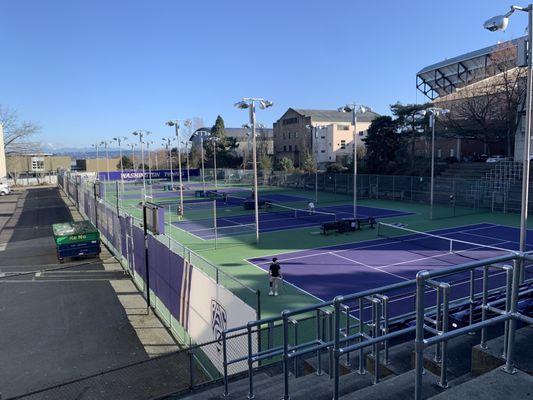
(498, 23)
(166, 142)
(176, 124)
(104, 143)
(354, 109)
(119, 140)
(133, 145)
(96, 146)
(188, 124)
(214, 141)
(433, 112)
(249, 103)
(201, 134)
(148, 143)
(314, 141)
(142, 134)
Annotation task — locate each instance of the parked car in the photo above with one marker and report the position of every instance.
(497, 158)
(4, 189)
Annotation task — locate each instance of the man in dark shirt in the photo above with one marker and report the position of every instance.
(275, 277)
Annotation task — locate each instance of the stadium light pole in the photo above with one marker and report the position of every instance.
(201, 134)
(148, 143)
(176, 125)
(166, 142)
(133, 145)
(354, 109)
(188, 124)
(499, 23)
(119, 140)
(96, 146)
(141, 135)
(104, 143)
(433, 112)
(250, 104)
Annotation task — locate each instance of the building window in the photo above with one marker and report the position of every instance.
(323, 151)
(283, 135)
(284, 148)
(37, 163)
(296, 135)
(289, 135)
(439, 153)
(361, 133)
(452, 152)
(290, 147)
(343, 127)
(295, 147)
(290, 121)
(343, 144)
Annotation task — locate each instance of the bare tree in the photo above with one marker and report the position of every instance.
(17, 134)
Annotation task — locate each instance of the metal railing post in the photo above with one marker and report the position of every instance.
(509, 364)
(437, 357)
(361, 332)
(319, 339)
(508, 290)
(294, 323)
(330, 338)
(419, 339)
(445, 320)
(284, 315)
(471, 299)
(225, 362)
(336, 346)
(347, 332)
(483, 342)
(250, 362)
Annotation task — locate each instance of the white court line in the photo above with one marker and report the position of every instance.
(332, 247)
(368, 266)
(440, 255)
(384, 242)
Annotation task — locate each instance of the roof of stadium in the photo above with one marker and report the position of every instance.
(445, 77)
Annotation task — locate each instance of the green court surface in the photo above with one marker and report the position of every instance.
(233, 250)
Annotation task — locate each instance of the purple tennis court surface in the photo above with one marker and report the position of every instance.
(278, 220)
(339, 270)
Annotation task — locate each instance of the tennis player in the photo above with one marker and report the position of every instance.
(311, 207)
(275, 277)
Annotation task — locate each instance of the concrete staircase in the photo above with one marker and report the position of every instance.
(473, 373)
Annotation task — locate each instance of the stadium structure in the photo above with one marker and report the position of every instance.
(491, 72)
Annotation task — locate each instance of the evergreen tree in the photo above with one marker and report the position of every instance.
(126, 163)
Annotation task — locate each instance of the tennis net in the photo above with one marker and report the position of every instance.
(436, 242)
(229, 197)
(319, 217)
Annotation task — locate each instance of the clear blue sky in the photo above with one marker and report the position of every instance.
(87, 70)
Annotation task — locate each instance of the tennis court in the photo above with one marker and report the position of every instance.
(276, 218)
(397, 256)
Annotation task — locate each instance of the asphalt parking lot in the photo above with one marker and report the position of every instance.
(62, 322)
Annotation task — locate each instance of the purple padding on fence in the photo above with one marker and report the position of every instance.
(176, 264)
(159, 264)
(123, 237)
(166, 275)
(138, 252)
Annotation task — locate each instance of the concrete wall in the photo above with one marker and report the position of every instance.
(91, 166)
(23, 163)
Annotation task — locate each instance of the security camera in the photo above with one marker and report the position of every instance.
(498, 23)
